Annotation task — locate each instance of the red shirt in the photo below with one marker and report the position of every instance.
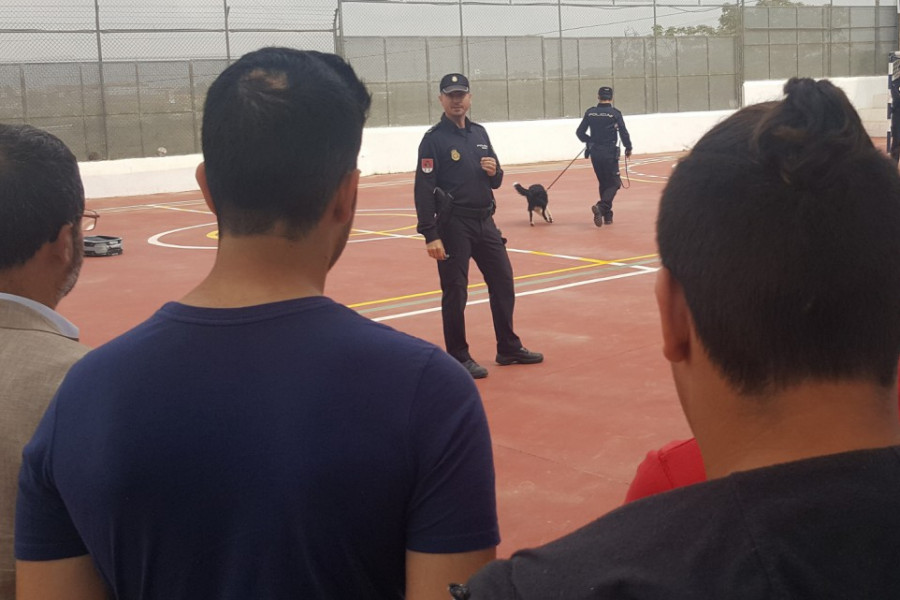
(676, 464)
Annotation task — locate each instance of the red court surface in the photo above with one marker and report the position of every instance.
(567, 433)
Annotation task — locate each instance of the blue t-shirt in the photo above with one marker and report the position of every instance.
(288, 450)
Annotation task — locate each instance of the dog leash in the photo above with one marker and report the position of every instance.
(577, 156)
(627, 178)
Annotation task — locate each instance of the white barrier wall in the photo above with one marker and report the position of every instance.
(394, 149)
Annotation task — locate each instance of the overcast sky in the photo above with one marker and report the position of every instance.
(312, 23)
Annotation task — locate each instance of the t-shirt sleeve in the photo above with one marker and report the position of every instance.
(44, 529)
(453, 506)
(493, 581)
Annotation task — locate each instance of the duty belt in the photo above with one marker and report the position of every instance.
(472, 213)
(447, 208)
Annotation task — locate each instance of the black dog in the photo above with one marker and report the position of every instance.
(537, 201)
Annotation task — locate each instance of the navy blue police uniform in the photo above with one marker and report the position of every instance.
(895, 120)
(460, 214)
(606, 126)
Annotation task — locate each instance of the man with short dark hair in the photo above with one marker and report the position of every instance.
(257, 439)
(784, 339)
(456, 176)
(41, 208)
(606, 126)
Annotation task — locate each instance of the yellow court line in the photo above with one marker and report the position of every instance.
(594, 263)
(383, 231)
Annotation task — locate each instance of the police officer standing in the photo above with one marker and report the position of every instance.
(455, 178)
(895, 119)
(606, 125)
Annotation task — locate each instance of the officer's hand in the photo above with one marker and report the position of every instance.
(489, 165)
(435, 250)
(628, 153)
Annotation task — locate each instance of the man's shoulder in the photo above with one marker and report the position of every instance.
(29, 338)
(644, 549)
(716, 530)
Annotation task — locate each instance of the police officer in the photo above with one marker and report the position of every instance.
(895, 119)
(606, 125)
(455, 178)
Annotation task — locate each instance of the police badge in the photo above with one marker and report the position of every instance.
(454, 154)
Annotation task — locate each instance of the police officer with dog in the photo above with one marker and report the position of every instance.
(456, 174)
(606, 126)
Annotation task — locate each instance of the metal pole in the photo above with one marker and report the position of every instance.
(227, 10)
(338, 44)
(655, 62)
(462, 54)
(101, 79)
(562, 96)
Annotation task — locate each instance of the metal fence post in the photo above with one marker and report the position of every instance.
(335, 25)
(562, 94)
(462, 55)
(227, 11)
(102, 81)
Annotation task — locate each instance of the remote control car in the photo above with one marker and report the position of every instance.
(102, 245)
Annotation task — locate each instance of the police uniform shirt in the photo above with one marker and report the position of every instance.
(450, 158)
(606, 123)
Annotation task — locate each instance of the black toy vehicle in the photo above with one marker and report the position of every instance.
(102, 245)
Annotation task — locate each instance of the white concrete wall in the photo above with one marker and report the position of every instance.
(394, 149)
(863, 92)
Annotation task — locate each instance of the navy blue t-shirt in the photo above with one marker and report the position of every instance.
(288, 450)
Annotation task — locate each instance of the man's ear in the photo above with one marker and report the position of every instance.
(64, 247)
(345, 198)
(200, 174)
(674, 316)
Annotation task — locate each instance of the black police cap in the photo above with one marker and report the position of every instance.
(454, 82)
(605, 93)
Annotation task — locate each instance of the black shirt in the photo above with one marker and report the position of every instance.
(450, 158)
(823, 528)
(606, 124)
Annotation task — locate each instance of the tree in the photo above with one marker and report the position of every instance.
(729, 21)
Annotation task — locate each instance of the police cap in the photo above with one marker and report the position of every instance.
(454, 82)
(605, 93)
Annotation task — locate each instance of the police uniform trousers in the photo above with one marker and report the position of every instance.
(479, 239)
(895, 130)
(605, 160)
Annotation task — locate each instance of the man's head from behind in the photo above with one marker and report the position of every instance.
(605, 94)
(41, 204)
(281, 130)
(782, 228)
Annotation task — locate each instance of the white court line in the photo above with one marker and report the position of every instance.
(641, 270)
(155, 240)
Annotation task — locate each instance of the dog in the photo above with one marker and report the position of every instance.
(537, 201)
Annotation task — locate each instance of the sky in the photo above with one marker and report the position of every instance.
(311, 23)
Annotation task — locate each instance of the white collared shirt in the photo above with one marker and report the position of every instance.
(66, 327)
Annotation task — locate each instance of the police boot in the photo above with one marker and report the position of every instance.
(598, 215)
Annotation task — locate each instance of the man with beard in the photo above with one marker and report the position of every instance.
(256, 439)
(41, 211)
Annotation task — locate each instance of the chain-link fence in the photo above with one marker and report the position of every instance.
(127, 78)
